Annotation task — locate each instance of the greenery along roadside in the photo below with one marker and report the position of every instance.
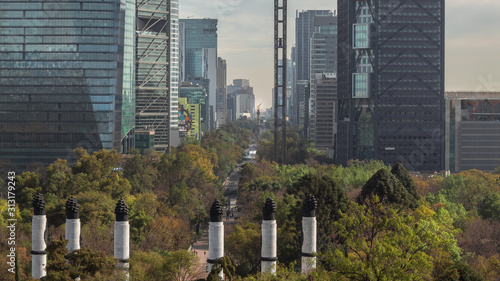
(168, 196)
(446, 225)
(402, 223)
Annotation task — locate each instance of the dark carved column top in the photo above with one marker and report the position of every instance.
(38, 204)
(72, 208)
(309, 207)
(121, 211)
(269, 210)
(216, 212)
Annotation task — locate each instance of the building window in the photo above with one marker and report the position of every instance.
(361, 85)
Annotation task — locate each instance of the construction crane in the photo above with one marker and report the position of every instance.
(280, 52)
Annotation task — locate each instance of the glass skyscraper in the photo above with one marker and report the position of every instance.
(199, 57)
(66, 78)
(157, 71)
(304, 29)
(323, 59)
(301, 56)
(391, 82)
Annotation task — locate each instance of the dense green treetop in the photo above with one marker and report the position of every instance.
(388, 188)
(402, 174)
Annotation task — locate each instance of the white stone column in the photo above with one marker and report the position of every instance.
(269, 255)
(309, 244)
(309, 230)
(122, 238)
(72, 233)
(215, 236)
(38, 242)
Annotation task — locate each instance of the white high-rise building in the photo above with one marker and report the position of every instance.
(174, 72)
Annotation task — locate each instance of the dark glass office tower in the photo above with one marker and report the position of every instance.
(391, 82)
(66, 78)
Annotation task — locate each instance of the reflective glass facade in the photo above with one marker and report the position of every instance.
(305, 28)
(391, 82)
(152, 70)
(199, 54)
(323, 59)
(66, 78)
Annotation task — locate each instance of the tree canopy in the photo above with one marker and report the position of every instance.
(388, 188)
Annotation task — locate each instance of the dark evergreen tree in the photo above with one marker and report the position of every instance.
(467, 273)
(388, 188)
(225, 265)
(402, 174)
(331, 198)
(489, 208)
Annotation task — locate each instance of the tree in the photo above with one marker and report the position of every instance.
(177, 266)
(489, 268)
(489, 208)
(299, 149)
(467, 273)
(402, 174)
(357, 173)
(27, 185)
(59, 177)
(332, 201)
(243, 247)
(223, 265)
(166, 233)
(87, 262)
(138, 221)
(497, 170)
(141, 172)
(262, 184)
(388, 188)
(469, 188)
(381, 243)
(162, 265)
(84, 262)
(95, 204)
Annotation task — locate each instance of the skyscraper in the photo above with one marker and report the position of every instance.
(304, 29)
(174, 73)
(221, 107)
(67, 78)
(199, 56)
(391, 82)
(323, 60)
(155, 42)
(301, 56)
(325, 124)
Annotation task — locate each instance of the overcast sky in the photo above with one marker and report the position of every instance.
(245, 32)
